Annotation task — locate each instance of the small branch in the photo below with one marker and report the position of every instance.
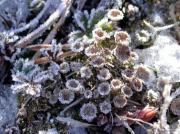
(35, 21)
(61, 21)
(65, 54)
(39, 46)
(53, 32)
(43, 27)
(42, 60)
(158, 29)
(166, 27)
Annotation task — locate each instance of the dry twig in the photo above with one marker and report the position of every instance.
(35, 21)
(43, 27)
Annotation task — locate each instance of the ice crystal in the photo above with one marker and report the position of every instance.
(116, 84)
(64, 67)
(104, 74)
(66, 96)
(88, 94)
(115, 15)
(28, 77)
(104, 88)
(73, 84)
(86, 72)
(122, 53)
(122, 37)
(105, 107)
(88, 111)
(119, 101)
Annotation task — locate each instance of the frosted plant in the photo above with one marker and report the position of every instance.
(73, 84)
(116, 84)
(54, 47)
(64, 67)
(104, 74)
(175, 106)
(143, 73)
(127, 91)
(54, 68)
(97, 61)
(86, 72)
(115, 15)
(66, 96)
(142, 36)
(75, 66)
(105, 107)
(92, 51)
(136, 84)
(127, 74)
(86, 22)
(6, 38)
(122, 37)
(88, 94)
(31, 89)
(122, 53)
(119, 101)
(77, 46)
(99, 35)
(28, 77)
(153, 96)
(104, 88)
(88, 111)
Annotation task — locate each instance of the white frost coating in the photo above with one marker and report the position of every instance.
(164, 56)
(8, 107)
(50, 131)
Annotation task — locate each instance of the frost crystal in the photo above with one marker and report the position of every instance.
(66, 96)
(127, 91)
(92, 51)
(116, 84)
(104, 88)
(105, 107)
(122, 53)
(88, 111)
(73, 84)
(86, 72)
(122, 37)
(64, 67)
(88, 94)
(104, 74)
(77, 46)
(99, 34)
(119, 101)
(28, 77)
(98, 61)
(75, 66)
(115, 15)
